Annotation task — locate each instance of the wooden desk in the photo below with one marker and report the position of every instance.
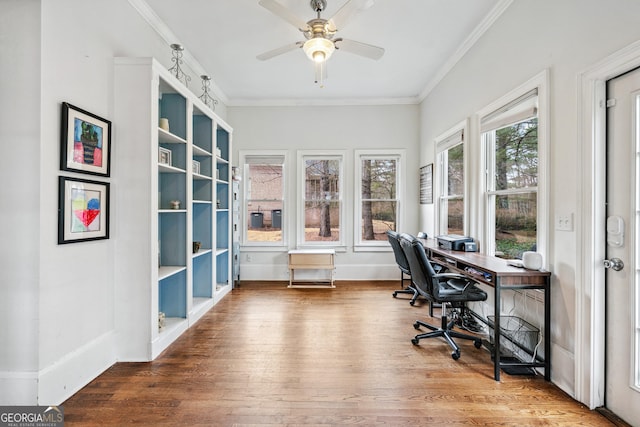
(496, 273)
(311, 259)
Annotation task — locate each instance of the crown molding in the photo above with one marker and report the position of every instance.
(471, 40)
(152, 18)
(303, 102)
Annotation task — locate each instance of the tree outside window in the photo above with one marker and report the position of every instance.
(379, 198)
(451, 161)
(514, 194)
(322, 199)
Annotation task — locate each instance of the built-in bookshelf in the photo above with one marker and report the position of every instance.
(172, 173)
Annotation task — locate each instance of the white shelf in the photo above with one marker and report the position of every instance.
(201, 177)
(162, 168)
(202, 252)
(220, 251)
(168, 271)
(171, 211)
(197, 151)
(165, 137)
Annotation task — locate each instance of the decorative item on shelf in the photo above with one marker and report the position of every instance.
(164, 123)
(176, 70)
(208, 100)
(235, 174)
(196, 247)
(161, 320)
(175, 204)
(217, 173)
(196, 167)
(164, 156)
(218, 152)
(218, 203)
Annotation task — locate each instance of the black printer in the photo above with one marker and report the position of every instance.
(455, 242)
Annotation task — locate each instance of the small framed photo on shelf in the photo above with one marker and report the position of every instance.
(85, 144)
(83, 210)
(164, 156)
(196, 167)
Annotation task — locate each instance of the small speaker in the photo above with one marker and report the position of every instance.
(532, 260)
(470, 247)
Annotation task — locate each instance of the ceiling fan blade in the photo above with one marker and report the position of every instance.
(284, 13)
(279, 51)
(362, 49)
(348, 11)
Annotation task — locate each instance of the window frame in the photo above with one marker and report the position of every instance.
(539, 83)
(456, 135)
(359, 156)
(303, 156)
(275, 154)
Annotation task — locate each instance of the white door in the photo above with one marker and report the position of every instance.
(622, 395)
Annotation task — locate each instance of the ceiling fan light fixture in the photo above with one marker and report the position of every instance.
(318, 49)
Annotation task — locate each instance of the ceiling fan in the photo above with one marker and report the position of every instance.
(320, 33)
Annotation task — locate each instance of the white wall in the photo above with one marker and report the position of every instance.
(332, 128)
(565, 37)
(19, 199)
(56, 301)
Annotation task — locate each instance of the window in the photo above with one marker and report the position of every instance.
(320, 209)
(264, 198)
(451, 203)
(511, 139)
(378, 197)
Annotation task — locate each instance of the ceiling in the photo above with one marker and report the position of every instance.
(422, 40)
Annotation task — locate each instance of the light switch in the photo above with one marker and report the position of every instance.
(564, 222)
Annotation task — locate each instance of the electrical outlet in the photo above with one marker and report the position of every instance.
(248, 257)
(564, 222)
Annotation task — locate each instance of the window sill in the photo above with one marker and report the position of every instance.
(372, 248)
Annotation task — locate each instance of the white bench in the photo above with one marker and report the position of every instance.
(311, 259)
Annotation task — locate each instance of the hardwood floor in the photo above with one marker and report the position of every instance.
(269, 355)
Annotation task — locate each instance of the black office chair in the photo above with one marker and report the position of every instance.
(444, 288)
(403, 265)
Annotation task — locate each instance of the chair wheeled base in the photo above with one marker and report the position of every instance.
(445, 331)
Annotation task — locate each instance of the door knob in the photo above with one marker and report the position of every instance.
(615, 264)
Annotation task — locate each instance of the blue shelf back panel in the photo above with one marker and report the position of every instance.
(222, 229)
(172, 229)
(178, 154)
(202, 224)
(205, 165)
(222, 193)
(202, 276)
(222, 268)
(172, 186)
(223, 143)
(202, 132)
(174, 108)
(172, 299)
(202, 190)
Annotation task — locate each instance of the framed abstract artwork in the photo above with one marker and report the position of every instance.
(83, 210)
(85, 142)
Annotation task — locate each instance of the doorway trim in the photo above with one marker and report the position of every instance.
(591, 239)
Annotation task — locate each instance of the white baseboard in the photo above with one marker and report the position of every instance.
(66, 376)
(563, 370)
(254, 271)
